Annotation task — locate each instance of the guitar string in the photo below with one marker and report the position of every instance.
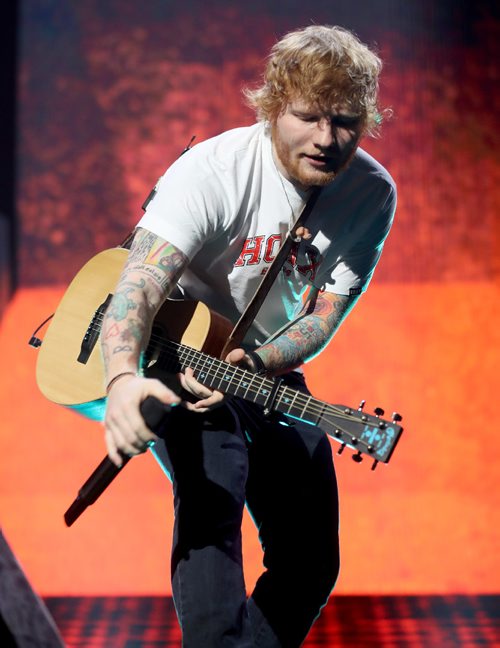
(299, 400)
(307, 403)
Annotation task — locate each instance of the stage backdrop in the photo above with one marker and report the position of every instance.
(109, 95)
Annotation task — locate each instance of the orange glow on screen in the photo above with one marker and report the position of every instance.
(421, 524)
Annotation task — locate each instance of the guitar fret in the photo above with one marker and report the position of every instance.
(290, 407)
(212, 372)
(196, 363)
(252, 378)
(224, 377)
(282, 399)
(235, 377)
(308, 400)
(205, 370)
(321, 412)
(262, 393)
(242, 385)
(217, 374)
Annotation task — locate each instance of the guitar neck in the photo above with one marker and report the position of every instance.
(236, 381)
(365, 433)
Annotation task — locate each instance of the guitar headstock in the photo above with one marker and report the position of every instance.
(367, 434)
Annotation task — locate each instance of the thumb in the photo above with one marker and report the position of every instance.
(162, 392)
(236, 356)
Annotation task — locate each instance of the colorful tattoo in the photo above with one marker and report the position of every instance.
(152, 269)
(158, 259)
(309, 335)
(121, 303)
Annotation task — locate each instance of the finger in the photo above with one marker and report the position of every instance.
(303, 232)
(112, 448)
(190, 384)
(191, 407)
(122, 444)
(160, 391)
(215, 400)
(140, 439)
(128, 429)
(235, 356)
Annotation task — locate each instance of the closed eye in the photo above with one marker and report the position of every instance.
(307, 117)
(342, 121)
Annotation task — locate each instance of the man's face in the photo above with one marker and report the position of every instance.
(310, 146)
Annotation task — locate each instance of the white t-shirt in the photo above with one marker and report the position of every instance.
(225, 205)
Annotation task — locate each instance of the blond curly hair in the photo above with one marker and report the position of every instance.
(324, 66)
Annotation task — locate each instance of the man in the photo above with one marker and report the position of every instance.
(212, 230)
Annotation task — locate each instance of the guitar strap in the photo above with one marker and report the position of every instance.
(240, 330)
(127, 241)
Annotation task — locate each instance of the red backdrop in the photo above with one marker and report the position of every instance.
(108, 98)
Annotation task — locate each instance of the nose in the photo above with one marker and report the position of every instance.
(325, 135)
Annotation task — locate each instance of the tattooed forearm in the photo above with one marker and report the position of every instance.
(121, 303)
(152, 268)
(308, 336)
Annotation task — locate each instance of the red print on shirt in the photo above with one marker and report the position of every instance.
(262, 249)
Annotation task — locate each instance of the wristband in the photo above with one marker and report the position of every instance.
(258, 364)
(118, 376)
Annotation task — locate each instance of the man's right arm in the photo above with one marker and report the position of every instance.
(151, 271)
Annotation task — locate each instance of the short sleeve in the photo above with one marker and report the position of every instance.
(352, 271)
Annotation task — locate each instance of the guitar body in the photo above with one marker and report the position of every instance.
(65, 380)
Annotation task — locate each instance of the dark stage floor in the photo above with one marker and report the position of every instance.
(388, 621)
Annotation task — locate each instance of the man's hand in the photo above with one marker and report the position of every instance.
(125, 429)
(210, 398)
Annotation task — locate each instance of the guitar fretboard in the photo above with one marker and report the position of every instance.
(365, 433)
(236, 381)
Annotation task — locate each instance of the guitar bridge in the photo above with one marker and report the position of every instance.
(93, 331)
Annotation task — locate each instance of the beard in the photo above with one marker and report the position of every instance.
(303, 173)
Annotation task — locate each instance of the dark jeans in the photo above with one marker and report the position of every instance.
(285, 475)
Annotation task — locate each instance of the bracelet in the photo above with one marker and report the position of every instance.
(258, 364)
(113, 380)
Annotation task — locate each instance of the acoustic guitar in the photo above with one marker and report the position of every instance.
(70, 369)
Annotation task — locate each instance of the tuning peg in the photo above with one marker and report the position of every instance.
(341, 449)
(379, 411)
(374, 464)
(358, 457)
(361, 405)
(396, 417)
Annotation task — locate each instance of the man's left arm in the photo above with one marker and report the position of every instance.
(303, 340)
(309, 335)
